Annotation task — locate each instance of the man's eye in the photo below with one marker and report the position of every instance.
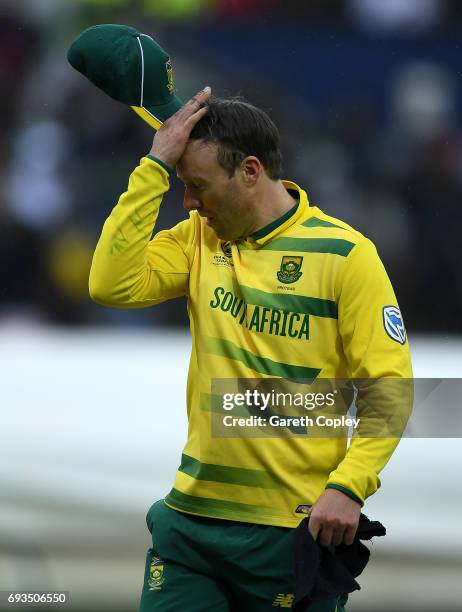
(194, 186)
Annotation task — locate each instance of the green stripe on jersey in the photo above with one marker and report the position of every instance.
(225, 348)
(227, 474)
(206, 506)
(290, 303)
(334, 246)
(317, 222)
(264, 231)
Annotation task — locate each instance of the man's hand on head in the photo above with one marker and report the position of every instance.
(172, 137)
(334, 518)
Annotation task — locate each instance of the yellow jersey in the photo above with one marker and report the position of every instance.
(304, 298)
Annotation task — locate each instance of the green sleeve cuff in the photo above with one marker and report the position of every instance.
(160, 162)
(350, 494)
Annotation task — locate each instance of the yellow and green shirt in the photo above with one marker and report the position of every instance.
(302, 298)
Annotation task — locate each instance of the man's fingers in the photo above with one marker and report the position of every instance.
(202, 95)
(327, 533)
(192, 106)
(338, 536)
(171, 139)
(193, 119)
(349, 535)
(197, 101)
(325, 539)
(314, 527)
(200, 98)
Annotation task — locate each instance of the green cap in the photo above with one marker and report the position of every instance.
(130, 67)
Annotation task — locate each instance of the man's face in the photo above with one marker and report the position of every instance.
(223, 201)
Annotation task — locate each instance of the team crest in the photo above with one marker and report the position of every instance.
(170, 83)
(393, 323)
(156, 574)
(290, 269)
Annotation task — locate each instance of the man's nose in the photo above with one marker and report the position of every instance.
(190, 201)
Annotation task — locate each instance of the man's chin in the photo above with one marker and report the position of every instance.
(223, 234)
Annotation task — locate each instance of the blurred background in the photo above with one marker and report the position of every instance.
(367, 96)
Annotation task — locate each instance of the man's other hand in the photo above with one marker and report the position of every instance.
(172, 137)
(334, 518)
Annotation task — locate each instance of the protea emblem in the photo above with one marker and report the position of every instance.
(290, 269)
(156, 574)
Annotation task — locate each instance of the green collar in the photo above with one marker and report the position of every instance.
(264, 231)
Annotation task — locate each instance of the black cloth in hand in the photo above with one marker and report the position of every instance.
(321, 574)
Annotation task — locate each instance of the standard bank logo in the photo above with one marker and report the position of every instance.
(393, 323)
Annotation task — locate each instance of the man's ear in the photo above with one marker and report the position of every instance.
(251, 169)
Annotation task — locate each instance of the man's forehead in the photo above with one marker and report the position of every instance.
(199, 157)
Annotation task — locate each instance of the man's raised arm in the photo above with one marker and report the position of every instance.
(129, 270)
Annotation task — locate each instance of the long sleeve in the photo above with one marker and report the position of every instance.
(379, 360)
(129, 270)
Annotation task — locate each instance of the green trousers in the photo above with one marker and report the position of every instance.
(199, 564)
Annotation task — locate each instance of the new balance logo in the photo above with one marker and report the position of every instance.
(283, 600)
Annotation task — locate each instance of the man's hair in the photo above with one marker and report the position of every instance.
(240, 129)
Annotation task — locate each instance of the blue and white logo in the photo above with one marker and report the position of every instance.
(393, 323)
